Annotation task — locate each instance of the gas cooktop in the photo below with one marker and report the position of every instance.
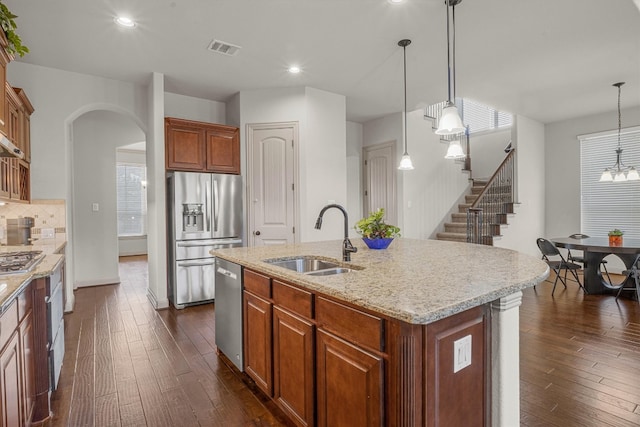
(19, 262)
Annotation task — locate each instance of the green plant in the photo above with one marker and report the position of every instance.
(616, 232)
(15, 46)
(374, 227)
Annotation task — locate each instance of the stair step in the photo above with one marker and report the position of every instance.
(452, 237)
(456, 227)
(462, 218)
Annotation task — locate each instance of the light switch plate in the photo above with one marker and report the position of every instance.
(461, 353)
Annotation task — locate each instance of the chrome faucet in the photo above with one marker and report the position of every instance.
(347, 247)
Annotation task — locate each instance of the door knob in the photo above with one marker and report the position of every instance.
(257, 233)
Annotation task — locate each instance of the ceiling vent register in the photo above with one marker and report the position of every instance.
(224, 48)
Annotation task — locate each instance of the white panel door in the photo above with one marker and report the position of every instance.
(272, 193)
(380, 180)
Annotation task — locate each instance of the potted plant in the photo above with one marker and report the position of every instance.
(14, 46)
(615, 237)
(375, 232)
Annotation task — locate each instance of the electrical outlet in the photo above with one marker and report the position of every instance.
(461, 353)
(47, 233)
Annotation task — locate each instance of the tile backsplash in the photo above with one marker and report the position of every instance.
(45, 213)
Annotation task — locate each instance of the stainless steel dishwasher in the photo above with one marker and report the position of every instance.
(228, 310)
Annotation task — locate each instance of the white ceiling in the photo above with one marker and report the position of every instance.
(547, 60)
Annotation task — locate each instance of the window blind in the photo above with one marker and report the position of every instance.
(479, 117)
(609, 205)
(132, 199)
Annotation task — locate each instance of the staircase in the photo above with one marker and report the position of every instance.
(485, 210)
(456, 230)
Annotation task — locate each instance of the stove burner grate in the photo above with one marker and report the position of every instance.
(19, 262)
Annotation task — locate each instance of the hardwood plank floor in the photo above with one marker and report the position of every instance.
(129, 365)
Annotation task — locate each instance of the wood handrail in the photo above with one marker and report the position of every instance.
(493, 178)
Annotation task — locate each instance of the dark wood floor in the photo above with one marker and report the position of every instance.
(129, 365)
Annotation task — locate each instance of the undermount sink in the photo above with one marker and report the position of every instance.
(330, 271)
(309, 265)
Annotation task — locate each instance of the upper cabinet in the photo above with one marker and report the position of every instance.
(15, 125)
(201, 147)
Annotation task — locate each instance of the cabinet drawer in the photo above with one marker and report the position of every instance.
(25, 302)
(354, 325)
(8, 323)
(257, 284)
(296, 300)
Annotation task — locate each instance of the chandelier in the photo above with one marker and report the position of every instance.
(619, 172)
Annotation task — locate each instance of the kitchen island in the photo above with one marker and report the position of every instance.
(422, 333)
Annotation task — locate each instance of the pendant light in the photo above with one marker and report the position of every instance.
(405, 162)
(619, 172)
(450, 122)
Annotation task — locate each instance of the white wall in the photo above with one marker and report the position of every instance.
(322, 147)
(487, 152)
(190, 108)
(562, 159)
(96, 135)
(529, 221)
(354, 174)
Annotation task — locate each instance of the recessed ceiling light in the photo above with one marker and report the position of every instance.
(395, 1)
(294, 70)
(125, 21)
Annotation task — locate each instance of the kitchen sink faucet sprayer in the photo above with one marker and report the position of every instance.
(347, 247)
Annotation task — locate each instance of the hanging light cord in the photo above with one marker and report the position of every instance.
(453, 47)
(404, 53)
(619, 113)
(448, 57)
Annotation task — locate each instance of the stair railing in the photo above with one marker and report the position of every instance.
(492, 205)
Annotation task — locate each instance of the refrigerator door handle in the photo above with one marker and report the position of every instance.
(195, 264)
(207, 204)
(209, 243)
(216, 204)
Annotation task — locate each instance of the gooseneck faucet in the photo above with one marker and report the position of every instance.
(347, 247)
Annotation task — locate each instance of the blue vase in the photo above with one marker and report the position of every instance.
(378, 243)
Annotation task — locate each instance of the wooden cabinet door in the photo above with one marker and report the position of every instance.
(293, 366)
(257, 341)
(13, 116)
(5, 177)
(185, 149)
(3, 96)
(28, 365)
(10, 384)
(14, 179)
(350, 384)
(223, 150)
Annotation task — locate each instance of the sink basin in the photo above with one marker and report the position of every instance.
(303, 264)
(329, 272)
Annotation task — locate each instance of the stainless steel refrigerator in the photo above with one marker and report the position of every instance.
(204, 213)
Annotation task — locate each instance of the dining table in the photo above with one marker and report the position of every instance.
(595, 249)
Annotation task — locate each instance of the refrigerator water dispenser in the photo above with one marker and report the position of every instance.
(192, 218)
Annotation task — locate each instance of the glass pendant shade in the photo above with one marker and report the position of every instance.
(405, 163)
(619, 177)
(633, 175)
(455, 150)
(450, 121)
(606, 176)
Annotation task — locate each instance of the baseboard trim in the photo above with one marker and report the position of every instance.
(101, 282)
(158, 305)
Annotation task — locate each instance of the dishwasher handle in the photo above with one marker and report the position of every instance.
(227, 273)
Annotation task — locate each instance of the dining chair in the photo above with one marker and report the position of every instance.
(580, 258)
(633, 273)
(550, 255)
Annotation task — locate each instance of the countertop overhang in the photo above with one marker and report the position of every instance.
(14, 283)
(416, 281)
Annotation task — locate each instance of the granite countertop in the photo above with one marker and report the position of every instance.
(416, 281)
(16, 282)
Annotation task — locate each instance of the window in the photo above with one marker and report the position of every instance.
(609, 205)
(479, 117)
(132, 199)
